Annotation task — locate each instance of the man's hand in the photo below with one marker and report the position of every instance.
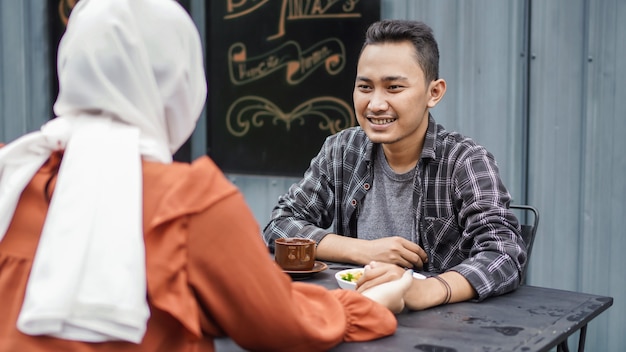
(397, 250)
(393, 250)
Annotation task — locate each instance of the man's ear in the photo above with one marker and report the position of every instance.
(437, 89)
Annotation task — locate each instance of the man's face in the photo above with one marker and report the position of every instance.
(391, 97)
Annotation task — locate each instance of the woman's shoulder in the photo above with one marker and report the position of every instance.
(199, 175)
(185, 187)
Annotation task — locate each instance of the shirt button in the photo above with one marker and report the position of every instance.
(353, 202)
(366, 186)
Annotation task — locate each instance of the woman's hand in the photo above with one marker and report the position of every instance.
(391, 293)
(377, 273)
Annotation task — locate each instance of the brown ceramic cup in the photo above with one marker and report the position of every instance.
(295, 254)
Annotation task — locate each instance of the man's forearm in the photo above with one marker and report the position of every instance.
(336, 248)
(431, 292)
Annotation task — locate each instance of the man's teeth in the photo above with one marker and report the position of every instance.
(381, 121)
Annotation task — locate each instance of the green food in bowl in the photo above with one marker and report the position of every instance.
(352, 276)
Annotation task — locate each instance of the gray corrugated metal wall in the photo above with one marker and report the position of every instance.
(528, 79)
(577, 166)
(24, 76)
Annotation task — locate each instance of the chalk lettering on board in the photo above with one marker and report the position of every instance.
(329, 53)
(281, 76)
(295, 10)
(252, 111)
(240, 8)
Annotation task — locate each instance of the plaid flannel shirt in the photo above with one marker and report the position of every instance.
(460, 204)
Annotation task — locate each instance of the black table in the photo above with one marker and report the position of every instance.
(528, 319)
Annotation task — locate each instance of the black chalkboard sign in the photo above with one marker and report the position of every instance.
(281, 76)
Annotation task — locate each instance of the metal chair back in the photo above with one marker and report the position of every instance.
(529, 230)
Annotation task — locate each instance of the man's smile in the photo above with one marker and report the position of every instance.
(381, 121)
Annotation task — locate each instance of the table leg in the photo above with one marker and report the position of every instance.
(563, 347)
(581, 339)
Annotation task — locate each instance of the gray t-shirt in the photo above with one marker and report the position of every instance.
(388, 206)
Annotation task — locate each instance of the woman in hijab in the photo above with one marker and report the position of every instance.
(106, 244)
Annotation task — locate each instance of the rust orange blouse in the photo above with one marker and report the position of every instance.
(209, 274)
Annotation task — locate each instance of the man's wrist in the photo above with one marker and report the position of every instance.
(425, 294)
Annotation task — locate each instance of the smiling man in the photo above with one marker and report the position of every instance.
(400, 190)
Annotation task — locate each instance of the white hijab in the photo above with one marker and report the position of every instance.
(131, 86)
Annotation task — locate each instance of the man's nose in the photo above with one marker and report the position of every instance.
(378, 103)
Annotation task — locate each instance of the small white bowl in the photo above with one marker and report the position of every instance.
(347, 285)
